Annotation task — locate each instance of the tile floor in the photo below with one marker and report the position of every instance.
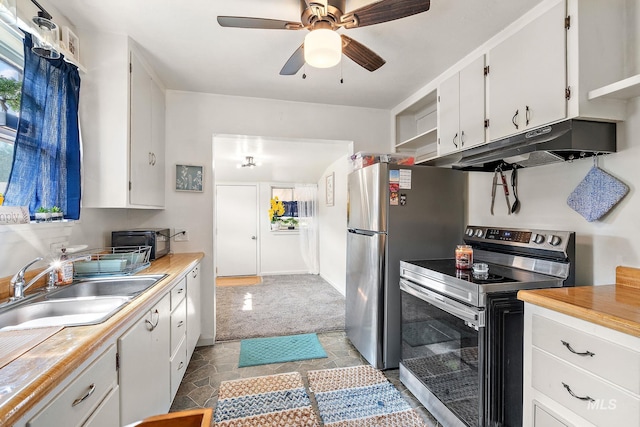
(211, 365)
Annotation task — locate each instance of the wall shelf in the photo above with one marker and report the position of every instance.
(420, 140)
(623, 89)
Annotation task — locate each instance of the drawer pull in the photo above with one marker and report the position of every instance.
(575, 395)
(180, 365)
(180, 323)
(79, 400)
(180, 290)
(586, 353)
(150, 325)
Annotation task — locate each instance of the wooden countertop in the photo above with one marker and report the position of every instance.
(613, 306)
(29, 378)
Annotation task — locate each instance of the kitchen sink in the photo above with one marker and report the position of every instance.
(129, 286)
(62, 312)
(87, 302)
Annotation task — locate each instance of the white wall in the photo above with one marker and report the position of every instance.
(601, 245)
(333, 227)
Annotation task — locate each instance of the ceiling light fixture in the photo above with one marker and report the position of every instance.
(45, 43)
(322, 48)
(249, 163)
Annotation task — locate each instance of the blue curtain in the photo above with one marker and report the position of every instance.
(46, 158)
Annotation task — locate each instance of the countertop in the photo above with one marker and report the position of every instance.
(613, 306)
(29, 378)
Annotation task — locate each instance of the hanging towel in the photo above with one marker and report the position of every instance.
(596, 194)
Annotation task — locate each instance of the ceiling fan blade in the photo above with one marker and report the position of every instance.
(360, 54)
(383, 11)
(293, 65)
(261, 23)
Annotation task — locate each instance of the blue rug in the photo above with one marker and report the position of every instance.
(263, 351)
(360, 396)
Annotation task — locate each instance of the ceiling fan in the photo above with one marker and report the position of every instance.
(322, 18)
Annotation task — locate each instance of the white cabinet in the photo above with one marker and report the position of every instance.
(122, 114)
(577, 373)
(461, 116)
(81, 403)
(193, 309)
(178, 352)
(144, 352)
(527, 78)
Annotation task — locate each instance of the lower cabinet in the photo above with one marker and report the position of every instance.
(193, 309)
(89, 400)
(577, 373)
(144, 365)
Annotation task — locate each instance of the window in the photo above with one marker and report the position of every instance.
(288, 197)
(10, 82)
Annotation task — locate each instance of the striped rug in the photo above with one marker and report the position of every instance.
(273, 400)
(360, 396)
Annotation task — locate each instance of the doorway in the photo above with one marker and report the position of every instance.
(236, 230)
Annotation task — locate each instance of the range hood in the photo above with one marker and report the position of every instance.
(567, 140)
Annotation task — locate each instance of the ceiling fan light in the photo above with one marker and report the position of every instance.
(322, 48)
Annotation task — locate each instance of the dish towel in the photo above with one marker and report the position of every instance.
(597, 194)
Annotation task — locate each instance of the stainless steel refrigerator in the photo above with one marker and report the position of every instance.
(395, 213)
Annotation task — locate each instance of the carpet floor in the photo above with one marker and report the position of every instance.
(281, 305)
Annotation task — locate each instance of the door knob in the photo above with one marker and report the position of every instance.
(253, 237)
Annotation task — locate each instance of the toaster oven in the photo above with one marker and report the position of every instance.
(158, 238)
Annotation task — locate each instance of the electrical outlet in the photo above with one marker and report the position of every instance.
(181, 236)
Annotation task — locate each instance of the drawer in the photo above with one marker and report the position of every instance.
(178, 325)
(79, 399)
(178, 293)
(542, 418)
(602, 403)
(611, 361)
(178, 367)
(108, 413)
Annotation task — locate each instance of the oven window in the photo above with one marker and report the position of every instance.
(441, 351)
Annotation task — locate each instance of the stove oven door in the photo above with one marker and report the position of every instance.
(441, 355)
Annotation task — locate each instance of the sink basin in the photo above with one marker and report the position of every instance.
(129, 286)
(63, 312)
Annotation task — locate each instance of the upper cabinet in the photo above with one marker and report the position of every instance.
(461, 116)
(563, 59)
(527, 75)
(122, 113)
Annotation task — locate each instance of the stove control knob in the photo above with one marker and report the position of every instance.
(469, 232)
(554, 240)
(537, 238)
(479, 232)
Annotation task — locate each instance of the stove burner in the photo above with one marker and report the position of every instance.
(481, 279)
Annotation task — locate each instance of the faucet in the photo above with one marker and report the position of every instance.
(18, 283)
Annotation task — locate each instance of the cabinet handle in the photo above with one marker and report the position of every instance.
(454, 139)
(528, 115)
(153, 159)
(89, 392)
(590, 399)
(150, 325)
(462, 139)
(180, 323)
(180, 365)
(180, 290)
(150, 153)
(513, 119)
(586, 353)
(194, 273)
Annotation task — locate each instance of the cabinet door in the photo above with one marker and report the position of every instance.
(528, 76)
(140, 175)
(472, 97)
(108, 413)
(449, 115)
(544, 71)
(144, 365)
(193, 310)
(156, 186)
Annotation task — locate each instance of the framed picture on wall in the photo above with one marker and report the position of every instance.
(71, 43)
(190, 178)
(329, 188)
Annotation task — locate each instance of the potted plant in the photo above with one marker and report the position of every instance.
(290, 223)
(56, 214)
(276, 210)
(9, 97)
(43, 214)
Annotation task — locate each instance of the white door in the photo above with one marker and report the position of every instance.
(237, 230)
